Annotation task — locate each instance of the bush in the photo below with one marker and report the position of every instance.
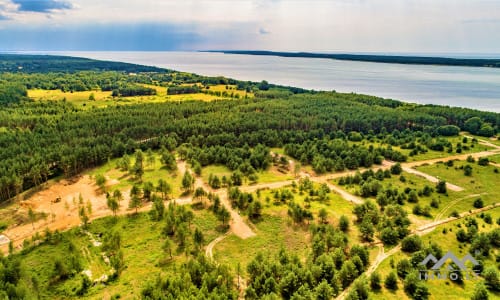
(396, 169)
(478, 203)
(483, 161)
(391, 281)
(411, 243)
(441, 187)
(375, 281)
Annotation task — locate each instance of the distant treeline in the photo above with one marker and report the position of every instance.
(16, 63)
(394, 59)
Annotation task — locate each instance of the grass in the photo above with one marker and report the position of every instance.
(413, 182)
(267, 176)
(447, 241)
(495, 158)
(431, 154)
(335, 206)
(216, 170)
(123, 180)
(273, 233)
(483, 181)
(140, 236)
(104, 99)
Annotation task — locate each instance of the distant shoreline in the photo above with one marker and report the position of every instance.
(393, 59)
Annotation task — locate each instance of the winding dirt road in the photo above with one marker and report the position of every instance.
(422, 230)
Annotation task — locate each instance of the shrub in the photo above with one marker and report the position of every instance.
(478, 203)
(411, 243)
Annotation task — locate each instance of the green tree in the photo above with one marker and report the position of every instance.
(135, 202)
(164, 188)
(82, 212)
(138, 168)
(411, 244)
(441, 187)
(117, 194)
(323, 215)
(375, 281)
(150, 158)
(480, 292)
(168, 160)
(158, 209)
(323, 291)
(100, 181)
(187, 182)
(223, 215)
(167, 247)
(32, 217)
(147, 189)
(396, 169)
(344, 223)
(491, 278)
(473, 125)
(391, 281)
(198, 238)
(112, 203)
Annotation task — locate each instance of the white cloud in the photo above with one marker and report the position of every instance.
(312, 25)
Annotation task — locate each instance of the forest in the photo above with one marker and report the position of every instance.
(42, 140)
(394, 59)
(239, 139)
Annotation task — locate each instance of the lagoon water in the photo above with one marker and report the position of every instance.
(445, 85)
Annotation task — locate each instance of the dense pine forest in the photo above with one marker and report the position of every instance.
(41, 140)
(326, 131)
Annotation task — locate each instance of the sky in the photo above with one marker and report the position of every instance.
(388, 26)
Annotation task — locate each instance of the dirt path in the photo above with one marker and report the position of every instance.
(453, 157)
(422, 230)
(238, 225)
(483, 141)
(343, 193)
(452, 203)
(210, 247)
(63, 215)
(432, 179)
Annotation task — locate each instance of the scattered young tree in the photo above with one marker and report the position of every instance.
(135, 203)
(138, 168)
(164, 188)
(32, 217)
(82, 212)
(441, 187)
(480, 292)
(150, 158)
(100, 181)
(198, 238)
(344, 223)
(323, 216)
(112, 203)
(375, 281)
(391, 281)
(187, 182)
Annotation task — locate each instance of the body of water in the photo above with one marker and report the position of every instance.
(445, 85)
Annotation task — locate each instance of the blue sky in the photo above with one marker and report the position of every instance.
(417, 26)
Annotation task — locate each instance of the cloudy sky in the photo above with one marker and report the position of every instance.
(417, 26)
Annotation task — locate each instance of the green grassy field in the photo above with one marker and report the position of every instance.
(431, 154)
(444, 236)
(140, 236)
(273, 233)
(413, 182)
(123, 180)
(267, 176)
(483, 181)
(104, 98)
